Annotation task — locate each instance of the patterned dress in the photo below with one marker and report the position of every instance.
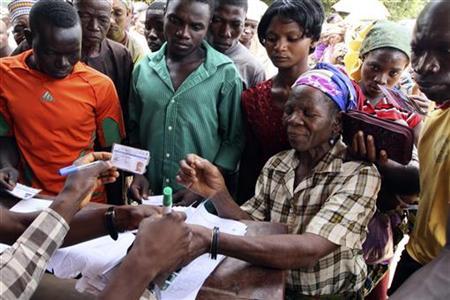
(266, 135)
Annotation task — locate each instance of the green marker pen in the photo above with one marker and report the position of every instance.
(167, 200)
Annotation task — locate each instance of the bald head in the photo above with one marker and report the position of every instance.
(431, 51)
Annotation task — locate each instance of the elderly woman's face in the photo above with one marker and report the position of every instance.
(308, 116)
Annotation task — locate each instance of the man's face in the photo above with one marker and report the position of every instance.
(226, 27)
(250, 28)
(431, 52)
(56, 50)
(18, 27)
(95, 20)
(154, 29)
(120, 18)
(185, 26)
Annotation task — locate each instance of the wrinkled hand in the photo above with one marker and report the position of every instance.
(80, 185)
(8, 178)
(200, 176)
(161, 242)
(186, 198)
(139, 187)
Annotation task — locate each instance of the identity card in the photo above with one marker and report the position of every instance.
(130, 159)
(23, 192)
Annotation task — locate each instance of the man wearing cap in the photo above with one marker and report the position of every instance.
(226, 27)
(249, 37)
(120, 19)
(18, 13)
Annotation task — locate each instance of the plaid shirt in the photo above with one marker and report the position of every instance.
(336, 202)
(23, 264)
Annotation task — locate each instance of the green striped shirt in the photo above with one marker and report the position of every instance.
(202, 116)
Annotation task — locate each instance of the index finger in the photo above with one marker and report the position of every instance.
(192, 158)
(93, 156)
(178, 215)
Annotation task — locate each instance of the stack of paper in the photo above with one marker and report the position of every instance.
(97, 259)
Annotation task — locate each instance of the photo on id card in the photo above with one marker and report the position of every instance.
(130, 159)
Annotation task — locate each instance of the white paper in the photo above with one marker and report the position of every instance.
(95, 259)
(91, 258)
(3, 247)
(190, 279)
(31, 205)
(23, 192)
(153, 200)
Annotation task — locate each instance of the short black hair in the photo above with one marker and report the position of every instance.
(239, 3)
(58, 13)
(308, 14)
(211, 4)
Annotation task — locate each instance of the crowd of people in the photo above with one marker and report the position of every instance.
(241, 104)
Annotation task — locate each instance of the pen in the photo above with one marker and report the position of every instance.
(72, 169)
(167, 200)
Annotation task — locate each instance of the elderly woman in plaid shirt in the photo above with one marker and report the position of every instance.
(325, 200)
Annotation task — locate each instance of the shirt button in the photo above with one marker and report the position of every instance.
(167, 180)
(167, 155)
(170, 128)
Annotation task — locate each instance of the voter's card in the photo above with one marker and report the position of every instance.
(130, 159)
(23, 192)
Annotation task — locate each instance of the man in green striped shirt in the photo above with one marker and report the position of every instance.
(185, 98)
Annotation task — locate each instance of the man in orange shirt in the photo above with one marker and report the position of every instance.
(52, 106)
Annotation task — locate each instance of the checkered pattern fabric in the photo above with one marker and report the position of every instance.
(23, 264)
(336, 202)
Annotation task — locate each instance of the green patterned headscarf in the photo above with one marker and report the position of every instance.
(387, 34)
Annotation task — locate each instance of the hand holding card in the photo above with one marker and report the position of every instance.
(130, 159)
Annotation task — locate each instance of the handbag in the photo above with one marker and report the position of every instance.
(396, 139)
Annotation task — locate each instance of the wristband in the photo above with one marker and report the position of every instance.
(110, 215)
(214, 243)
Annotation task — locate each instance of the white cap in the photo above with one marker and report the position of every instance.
(256, 9)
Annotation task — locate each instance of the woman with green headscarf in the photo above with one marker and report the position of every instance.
(383, 56)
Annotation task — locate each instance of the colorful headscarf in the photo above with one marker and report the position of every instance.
(19, 8)
(331, 81)
(382, 34)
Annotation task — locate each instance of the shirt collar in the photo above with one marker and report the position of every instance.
(213, 59)
(20, 63)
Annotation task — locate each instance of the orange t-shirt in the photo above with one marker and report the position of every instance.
(55, 121)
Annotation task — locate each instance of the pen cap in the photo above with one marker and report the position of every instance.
(167, 199)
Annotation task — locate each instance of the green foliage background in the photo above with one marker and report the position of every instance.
(399, 9)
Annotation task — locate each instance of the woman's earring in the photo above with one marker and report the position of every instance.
(332, 141)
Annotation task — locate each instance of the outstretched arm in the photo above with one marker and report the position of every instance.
(203, 178)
